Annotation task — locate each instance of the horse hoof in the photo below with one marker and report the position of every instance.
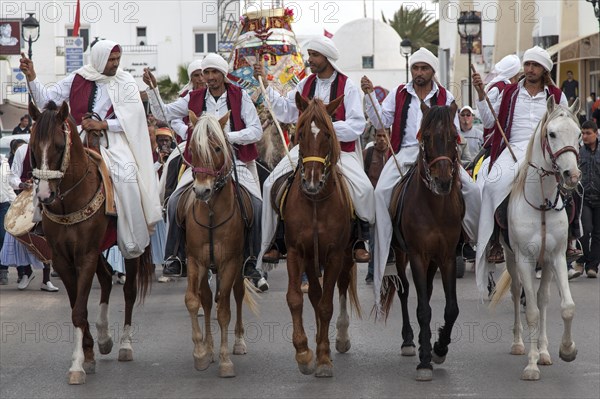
(89, 367)
(517, 349)
(408, 350)
(125, 355)
(105, 347)
(530, 374)
(424, 374)
(324, 370)
(226, 370)
(437, 359)
(544, 359)
(306, 362)
(76, 377)
(240, 348)
(202, 363)
(342, 346)
(568, 354)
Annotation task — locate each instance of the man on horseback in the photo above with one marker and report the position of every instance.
(243, 130)
(101, 87)
(327, 83)
(520, 107)
(401, 109)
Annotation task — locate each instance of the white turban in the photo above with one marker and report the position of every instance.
(194, 66)
(215, 61)
(539, 55)
(326, 47)
(100, 53)
(426, 56)
(505, 69)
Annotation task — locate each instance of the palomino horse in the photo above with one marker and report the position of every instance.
(317, 218)
(538, 230)
(70, 188)
(430, 227)
(215, 227)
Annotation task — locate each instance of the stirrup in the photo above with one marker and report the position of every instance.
(496, 253)
(272, 255)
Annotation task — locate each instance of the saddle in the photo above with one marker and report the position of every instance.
(279, 192)
(109, 204)
(397, 205)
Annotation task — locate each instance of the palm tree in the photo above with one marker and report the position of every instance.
(168, 89)
(416, 25)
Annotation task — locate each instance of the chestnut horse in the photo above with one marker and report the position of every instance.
(430, 225)
(317, 218)
(215, 230)
(75, 224)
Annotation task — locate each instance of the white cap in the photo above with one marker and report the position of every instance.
(539, 55)
(426, 56)
(215, 61)
(325, 46)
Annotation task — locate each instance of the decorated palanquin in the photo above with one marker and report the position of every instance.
(267, 35)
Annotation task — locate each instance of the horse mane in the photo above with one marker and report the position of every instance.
(45, 120)
(541, 126)
(207, 126)
(315, 112)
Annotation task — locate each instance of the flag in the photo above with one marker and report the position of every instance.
(77, 22)
(327, 34)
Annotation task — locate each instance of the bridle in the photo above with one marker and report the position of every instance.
(221, 175)
(47, 174)
(427, 178)
(327, 168)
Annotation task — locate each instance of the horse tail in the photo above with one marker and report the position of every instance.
(145, 273)
(502, 287)
(387, 299)
(353, 292)
(250, 296)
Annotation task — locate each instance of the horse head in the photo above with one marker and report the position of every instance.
(319, 148)
(438, 150)
(212, 156)
(50, 148)
(560, 139)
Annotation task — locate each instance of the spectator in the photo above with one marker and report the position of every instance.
(590, 218)
(473, 136)
(7, 195)
(570, 87)
(23, 126)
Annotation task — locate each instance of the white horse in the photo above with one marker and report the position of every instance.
(538, 230)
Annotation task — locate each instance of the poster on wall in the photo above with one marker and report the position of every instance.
(10, 36)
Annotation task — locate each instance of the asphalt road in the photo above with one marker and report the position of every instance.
(36, 346)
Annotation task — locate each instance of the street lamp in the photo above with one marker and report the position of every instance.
(30, 31)
(406, 51)
(469, 25)
(596, 5)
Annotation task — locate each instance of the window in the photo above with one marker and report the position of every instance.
(367, 62)
(212, 42)
(141, 31)
(205, 42)
(84, 33)
(199, 43)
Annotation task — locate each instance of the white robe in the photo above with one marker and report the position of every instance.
(136, 190)
(390, 176)
(350, 164)
(496, 184)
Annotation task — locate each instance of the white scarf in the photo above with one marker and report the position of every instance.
(127, 103)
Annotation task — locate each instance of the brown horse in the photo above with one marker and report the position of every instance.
(69, 186)
(430, 226)
(317, 217)
(215, 228)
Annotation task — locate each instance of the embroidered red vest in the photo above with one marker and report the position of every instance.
(246, 152)
(401, 113)
(487, 131)
(337, 89)
(79, 98)
(506, 114)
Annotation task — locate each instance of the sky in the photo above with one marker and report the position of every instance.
(312, 16)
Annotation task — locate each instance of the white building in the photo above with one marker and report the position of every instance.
(160, 35)
(568, 29)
